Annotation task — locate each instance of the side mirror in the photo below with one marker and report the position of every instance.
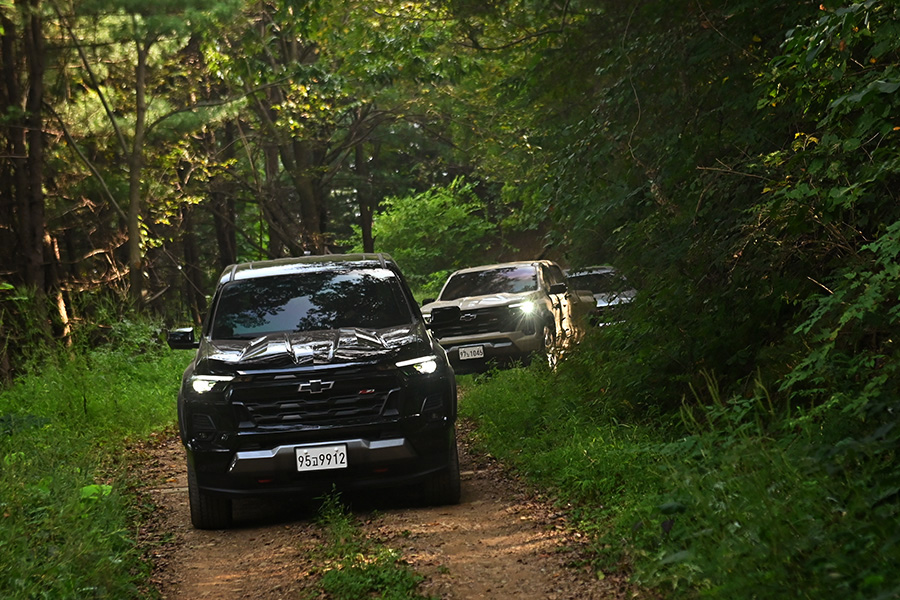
(182, 339)
(558, 288)
(444, 315)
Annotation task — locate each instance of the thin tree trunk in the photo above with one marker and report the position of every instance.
(223, 208)
(136, 165)
(364, 197)
(33, 207)
(53, 281)
(192, 272)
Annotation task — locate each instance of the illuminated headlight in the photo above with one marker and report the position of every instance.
(424, 364)
(525, 307)
(202, 384)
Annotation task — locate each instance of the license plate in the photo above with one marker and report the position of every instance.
(319, 458)
(469, 352)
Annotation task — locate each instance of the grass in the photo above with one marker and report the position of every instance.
(356, 566)
(68, 515)
(733, 500)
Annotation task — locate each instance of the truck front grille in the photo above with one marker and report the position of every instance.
(285, 400)
(485, 320)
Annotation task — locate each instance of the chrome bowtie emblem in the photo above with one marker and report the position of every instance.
(467, 317)
(316, 386)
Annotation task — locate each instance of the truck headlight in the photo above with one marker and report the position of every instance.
(424, 364)
(526, 307)
(202, 384)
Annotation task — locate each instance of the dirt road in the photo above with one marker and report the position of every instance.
(499, 542)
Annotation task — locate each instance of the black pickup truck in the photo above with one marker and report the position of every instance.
(314, 373)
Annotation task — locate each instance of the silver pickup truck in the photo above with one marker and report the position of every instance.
(506, 313)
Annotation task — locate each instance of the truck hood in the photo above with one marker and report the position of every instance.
(284, 350)
(476, 302)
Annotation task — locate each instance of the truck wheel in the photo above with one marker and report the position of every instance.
(208, 511)
(444, 488)
(551, 350)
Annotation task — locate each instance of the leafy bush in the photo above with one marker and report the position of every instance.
(24, 339)
(434, 233)
(770, 505)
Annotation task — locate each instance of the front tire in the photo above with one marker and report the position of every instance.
(208, 511)
(550, 348)
(444, 488)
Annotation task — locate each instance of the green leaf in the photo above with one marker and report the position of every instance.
(886, 87)
(95, 491)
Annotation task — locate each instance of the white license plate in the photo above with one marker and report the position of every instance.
(469, 352)
(319, 458)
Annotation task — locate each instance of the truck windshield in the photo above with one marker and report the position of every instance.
(310, 301)
(598, 282)
(502, 280)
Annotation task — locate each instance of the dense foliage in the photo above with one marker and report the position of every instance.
(739, 161)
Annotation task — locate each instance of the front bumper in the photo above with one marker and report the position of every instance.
(371, 463)
(499, 346)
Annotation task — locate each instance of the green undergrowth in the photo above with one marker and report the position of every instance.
(356, 566)
(68, 516)
(732, 498)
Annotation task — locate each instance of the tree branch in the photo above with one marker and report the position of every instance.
(96, 173)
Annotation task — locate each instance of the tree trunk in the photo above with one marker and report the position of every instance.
(364, 198)
(23, 209)
(223, 221)
(298, 227)
(32, 217)
(223, 209)
(13, 180)
(192, 272)
(310, 213)
(53, 283)
(271, 206)
(136, 165)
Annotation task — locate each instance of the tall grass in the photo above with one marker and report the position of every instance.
(66, 514)
(733, 499)
(769, 505)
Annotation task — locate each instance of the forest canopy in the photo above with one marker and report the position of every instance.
(737, 160)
